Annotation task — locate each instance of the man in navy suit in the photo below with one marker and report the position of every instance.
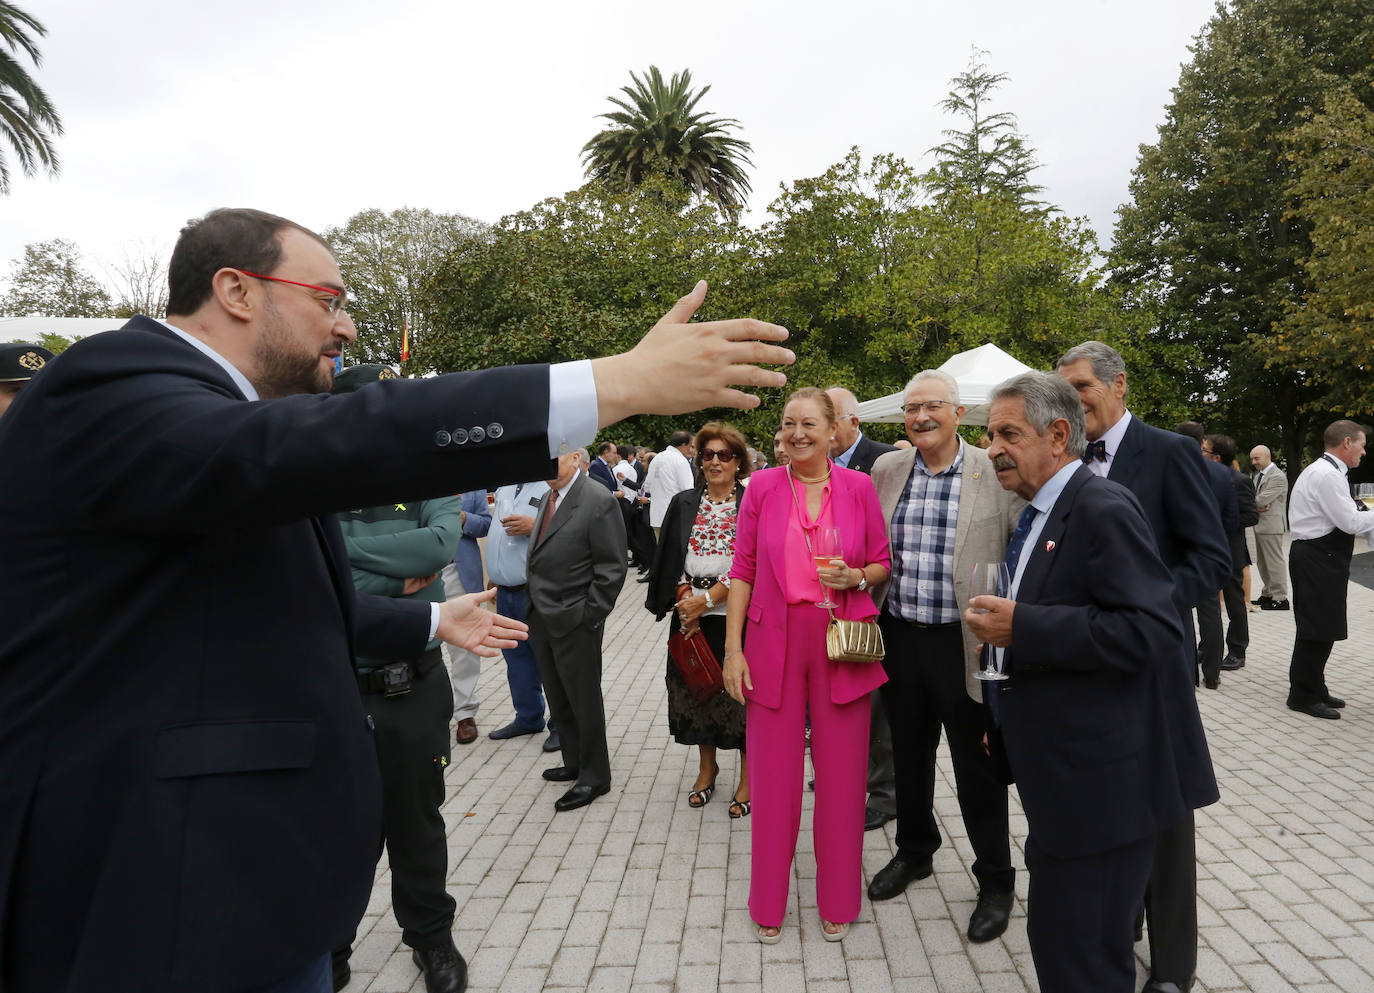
(1165, 473)
(600, 469)
(1089, 639)
(189, 794)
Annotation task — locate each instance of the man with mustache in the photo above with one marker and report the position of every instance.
(945, 513)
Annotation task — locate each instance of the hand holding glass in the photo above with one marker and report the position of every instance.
(989, 579)
(824, 547)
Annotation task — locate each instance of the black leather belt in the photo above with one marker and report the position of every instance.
(375, 681)
(922, 625)
(703, 582)
(511, 589)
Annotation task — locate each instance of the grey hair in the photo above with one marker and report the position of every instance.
(1105, 360)
(847, 404)
(949, 382)
(1048, 398)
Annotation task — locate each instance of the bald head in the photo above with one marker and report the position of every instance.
(1260, 457)
(846, 419)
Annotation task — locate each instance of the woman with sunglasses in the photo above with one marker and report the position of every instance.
(689, 579)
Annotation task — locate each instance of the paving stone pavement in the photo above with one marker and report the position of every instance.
(638, 892)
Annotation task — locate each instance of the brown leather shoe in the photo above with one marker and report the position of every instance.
(467, 731)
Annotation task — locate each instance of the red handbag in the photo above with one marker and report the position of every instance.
(697, 663)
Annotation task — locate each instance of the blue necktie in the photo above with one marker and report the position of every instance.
(1018, 541)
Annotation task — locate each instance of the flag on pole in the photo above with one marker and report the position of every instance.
(405, 340)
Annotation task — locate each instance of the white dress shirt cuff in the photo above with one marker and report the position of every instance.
(433, 621)
(573, 413)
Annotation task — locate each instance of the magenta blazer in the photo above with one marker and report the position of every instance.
(759, 560)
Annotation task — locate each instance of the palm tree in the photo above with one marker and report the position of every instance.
(28, 120)
(659, 130)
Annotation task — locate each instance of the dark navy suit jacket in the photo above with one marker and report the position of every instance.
(601, 472)
(1084, 718)
(189, 795)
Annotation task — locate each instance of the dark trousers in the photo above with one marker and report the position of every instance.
(570, 666)
(413, 742)
(882, 785)
(1237, 618)
(1171, 905)
(1307, 672)
(925, 690)
(1209, 639)
(522, 671)
(639, 535)
(1080, 917)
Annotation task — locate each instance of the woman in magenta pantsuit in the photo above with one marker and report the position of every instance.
(781, 671)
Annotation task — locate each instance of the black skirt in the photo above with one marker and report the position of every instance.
(717, 722)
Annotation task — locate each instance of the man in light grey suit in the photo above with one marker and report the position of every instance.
(576, 567)
(946, 512)
(1271, 494)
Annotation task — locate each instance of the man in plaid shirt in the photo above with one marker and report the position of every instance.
(946, 513)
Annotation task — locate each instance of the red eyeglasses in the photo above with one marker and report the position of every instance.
(338, 299)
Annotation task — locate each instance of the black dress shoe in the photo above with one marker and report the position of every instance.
(444, 968)
(579, 796)
(643, 579)
(1334, 702)
(894, 877)
(1211, 682)
(1275, 605)
(339, 964)
(514, 730)
(560, 774)
(990, 917)
(1319, 709)
(1160, 986)
(1231, 664)
(875, 818)
(552, 743)
(1262, 600)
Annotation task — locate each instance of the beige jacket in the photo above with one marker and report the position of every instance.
(987, 517)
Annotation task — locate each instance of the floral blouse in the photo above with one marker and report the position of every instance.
(711, 545)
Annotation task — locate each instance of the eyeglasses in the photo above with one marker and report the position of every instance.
(338, 299)
(711, 455)
(929, 407)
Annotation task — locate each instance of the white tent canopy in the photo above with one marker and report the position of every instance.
(976, 371)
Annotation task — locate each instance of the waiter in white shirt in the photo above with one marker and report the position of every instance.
(669, 474)
(1324, 520)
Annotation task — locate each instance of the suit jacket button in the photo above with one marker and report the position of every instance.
(460, 437)
(477, 434)
(442, 438)
(368, 723)
(495, 430)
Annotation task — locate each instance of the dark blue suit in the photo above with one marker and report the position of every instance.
(1086, 729)
(1165, 472)
(601, 472)
(189, 796)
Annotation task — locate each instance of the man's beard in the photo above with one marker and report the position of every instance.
(284, 368)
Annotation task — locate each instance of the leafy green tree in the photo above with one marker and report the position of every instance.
(1326, 340)
(28, 120)
(51, 281)
(387, 262)
(1209, 241)
(659, 130)
(989, 158)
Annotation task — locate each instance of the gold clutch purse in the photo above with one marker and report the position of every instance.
(853, 641)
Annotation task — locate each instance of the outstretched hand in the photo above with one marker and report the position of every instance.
(705, 362)
(464, 623)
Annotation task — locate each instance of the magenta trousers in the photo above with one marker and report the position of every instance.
(776, 741)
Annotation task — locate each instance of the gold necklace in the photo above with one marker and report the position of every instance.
(804, 479)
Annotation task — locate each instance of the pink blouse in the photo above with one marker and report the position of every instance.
(799, 568)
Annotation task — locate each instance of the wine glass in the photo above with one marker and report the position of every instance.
(989, 579)
(1364, 492)
(826, 546)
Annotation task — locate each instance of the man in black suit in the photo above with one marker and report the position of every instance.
(575, 568)
(1165, 473)
(849, 447)
(1209, 630)
(189, 795)
(1220, 449)
(1089, 640)
(600, 469)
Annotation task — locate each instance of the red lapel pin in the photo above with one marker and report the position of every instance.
(1049, 546)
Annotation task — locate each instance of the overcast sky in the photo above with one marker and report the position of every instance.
(319, 110)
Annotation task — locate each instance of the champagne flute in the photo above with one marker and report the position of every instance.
(826, 546)
(989, 579)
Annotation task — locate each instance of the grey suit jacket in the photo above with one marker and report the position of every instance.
(987, 517)
(574, 572)
(1272, 490)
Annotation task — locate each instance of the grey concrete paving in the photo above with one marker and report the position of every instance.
(638, 892)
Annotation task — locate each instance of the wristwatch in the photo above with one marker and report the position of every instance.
(863, 581)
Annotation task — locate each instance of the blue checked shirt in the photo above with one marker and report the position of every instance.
(922, 531)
